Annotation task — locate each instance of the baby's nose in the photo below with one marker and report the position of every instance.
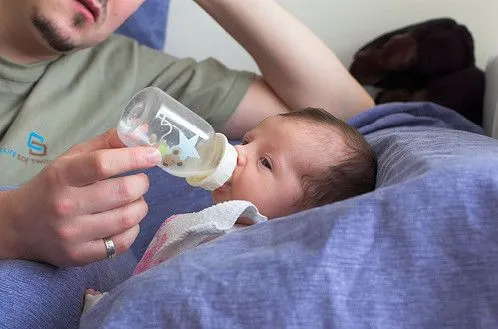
(241, 155)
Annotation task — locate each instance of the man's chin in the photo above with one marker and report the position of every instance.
(53, 36)
(63, 36)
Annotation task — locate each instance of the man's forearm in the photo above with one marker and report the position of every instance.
(298, 66)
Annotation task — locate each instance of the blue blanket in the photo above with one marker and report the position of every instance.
(421, 251)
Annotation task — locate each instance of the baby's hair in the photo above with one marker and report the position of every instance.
(354, 174)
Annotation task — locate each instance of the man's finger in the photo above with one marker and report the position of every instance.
(88, 168)
(107, 140)
(96, 250)
(112, 222)
(108, 194)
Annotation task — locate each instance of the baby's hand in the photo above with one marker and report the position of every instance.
(92, 297)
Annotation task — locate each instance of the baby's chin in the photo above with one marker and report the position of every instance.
(222, 194)
(217, 198)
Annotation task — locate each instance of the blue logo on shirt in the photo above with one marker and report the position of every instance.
(37, 147)
(36, 144)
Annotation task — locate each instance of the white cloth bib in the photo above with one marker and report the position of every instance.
(180, 233)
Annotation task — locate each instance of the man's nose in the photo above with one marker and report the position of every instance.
(241, 155)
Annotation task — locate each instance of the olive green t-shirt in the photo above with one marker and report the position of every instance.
(49, 106)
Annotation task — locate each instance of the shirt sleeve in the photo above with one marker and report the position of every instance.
(207, 87)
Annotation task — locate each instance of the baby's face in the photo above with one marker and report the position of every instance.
(272, 160)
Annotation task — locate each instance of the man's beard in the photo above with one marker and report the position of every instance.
(54, 38)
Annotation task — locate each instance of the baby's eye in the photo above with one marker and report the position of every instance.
(244, 142)
(265, 162)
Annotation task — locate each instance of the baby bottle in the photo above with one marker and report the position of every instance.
(189, 146)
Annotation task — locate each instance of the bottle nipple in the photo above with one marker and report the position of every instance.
(223, 170)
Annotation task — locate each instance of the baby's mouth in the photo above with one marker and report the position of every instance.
(225, 186)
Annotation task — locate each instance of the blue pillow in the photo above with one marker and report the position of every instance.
(148, 24)
(419, 252)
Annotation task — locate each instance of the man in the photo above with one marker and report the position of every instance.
(62, 81)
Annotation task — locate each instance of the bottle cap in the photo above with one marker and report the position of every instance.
(223, 170)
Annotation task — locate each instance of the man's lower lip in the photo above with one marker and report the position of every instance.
(85, 12)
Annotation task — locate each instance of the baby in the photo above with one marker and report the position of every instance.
(288, 163)
(299, 160)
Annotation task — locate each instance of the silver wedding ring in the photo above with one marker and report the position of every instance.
(110, 248)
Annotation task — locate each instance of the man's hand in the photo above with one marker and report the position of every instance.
(62, 215)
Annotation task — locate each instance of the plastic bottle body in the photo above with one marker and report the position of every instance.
(189, 145)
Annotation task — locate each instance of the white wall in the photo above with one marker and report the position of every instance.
(344, 25)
